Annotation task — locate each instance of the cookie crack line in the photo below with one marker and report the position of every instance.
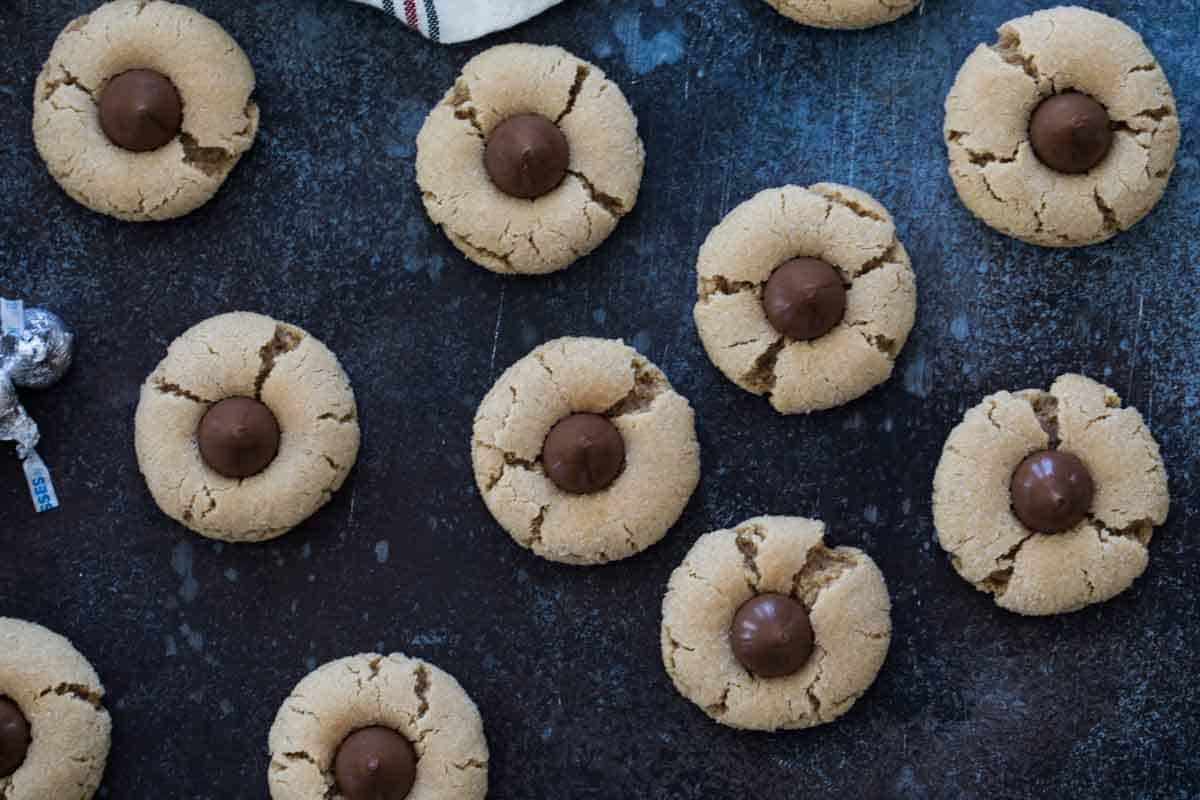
(1087, 578)
(979, 158)
(464, 109)
(166, 387)
(613, 205)
(996, 582)
(79, 691)
(835, 197)
(69, 79)
(535, 526)
(1140, 530)
(882, 343)
(283, 341)
(464, 242)
(748, 547)
(761, 378)
(421, 690)
(811, 689)
(721, 707)
(300, 755)
(1045, 409)
(212, 161)
(581, 73)
(1010, 51)
(719, 284)
(342, 419)
(510, 460)
(1111, 224)
(888, 256)
(674, 646)
(822, 568)
(647, 386)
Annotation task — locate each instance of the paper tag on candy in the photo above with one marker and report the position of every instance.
(41, 488)
(12, 317)
(13, 323)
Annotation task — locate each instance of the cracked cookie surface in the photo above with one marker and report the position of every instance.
(62, 698)
(841, 588)
(219, 119)
(1035, 573)
(843, 14)
(846, 228)
(584, 375)
(509, 234)
(296, 377)
(993, 165)
(412, 697)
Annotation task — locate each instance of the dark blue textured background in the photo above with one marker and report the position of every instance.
(322, 225)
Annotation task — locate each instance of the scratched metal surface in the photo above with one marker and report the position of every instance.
(321, 224)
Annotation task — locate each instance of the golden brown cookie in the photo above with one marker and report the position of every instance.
(844, 227)
(61, 698)
(1050, 573)
(290, 372)
(995, 168)
(843, 14)
(841, 589)
(597, 376)
(219, 119)
(425, 705)
(514, 235)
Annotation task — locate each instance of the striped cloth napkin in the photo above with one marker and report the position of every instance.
(450, 21)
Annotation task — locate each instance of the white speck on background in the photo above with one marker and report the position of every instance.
(195, 639)
(382, 549)
(960, 327)
(181, 562)
(644, 55)
(918, 378)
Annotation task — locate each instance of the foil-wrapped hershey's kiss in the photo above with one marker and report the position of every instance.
(36, 357)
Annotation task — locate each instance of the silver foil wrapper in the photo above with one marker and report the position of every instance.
(43, 355)
(36, 360)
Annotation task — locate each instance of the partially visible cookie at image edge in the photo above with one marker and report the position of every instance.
(1064, 132)
(843, 14)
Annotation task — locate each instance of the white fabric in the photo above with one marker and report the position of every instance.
(462, 20)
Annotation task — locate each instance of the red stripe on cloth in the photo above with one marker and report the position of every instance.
(410, 13)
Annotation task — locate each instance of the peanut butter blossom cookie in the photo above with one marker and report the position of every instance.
(530, 159)
(843, 13)
(1064, 132)
(246, 428)
(143, 108)
(54, 731)
(764, 627)
(373, 727)
(805, 295)
(584, 452)
(1048, 500)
